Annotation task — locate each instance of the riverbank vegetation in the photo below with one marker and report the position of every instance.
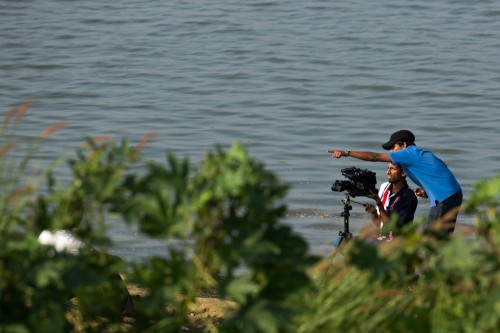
(232, 264)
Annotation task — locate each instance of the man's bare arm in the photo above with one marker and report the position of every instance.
(361, 155)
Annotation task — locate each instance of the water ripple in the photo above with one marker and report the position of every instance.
(289, 79)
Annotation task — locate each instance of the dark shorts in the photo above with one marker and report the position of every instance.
(439, 212)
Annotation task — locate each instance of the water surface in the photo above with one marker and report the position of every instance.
(290, 79)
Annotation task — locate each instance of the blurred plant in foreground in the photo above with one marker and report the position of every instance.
(221, 222)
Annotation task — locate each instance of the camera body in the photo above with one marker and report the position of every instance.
(359, 182)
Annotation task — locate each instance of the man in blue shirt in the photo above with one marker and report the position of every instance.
(426, 170)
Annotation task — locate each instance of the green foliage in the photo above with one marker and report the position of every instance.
(225, 220)
(221, 222)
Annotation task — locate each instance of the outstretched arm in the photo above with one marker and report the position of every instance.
(361, 155)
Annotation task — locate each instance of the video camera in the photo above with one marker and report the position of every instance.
(359, 184)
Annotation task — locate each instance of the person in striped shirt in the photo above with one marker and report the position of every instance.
(394, 197)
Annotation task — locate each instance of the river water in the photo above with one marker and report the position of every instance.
(289, 79)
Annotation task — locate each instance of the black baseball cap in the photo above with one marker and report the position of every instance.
(399, 136)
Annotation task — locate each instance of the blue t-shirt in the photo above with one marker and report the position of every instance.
(427, 171)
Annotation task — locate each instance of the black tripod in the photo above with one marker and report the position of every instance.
(344, 235)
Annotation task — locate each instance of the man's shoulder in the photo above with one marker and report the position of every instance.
(384, 186)
(408, 188)
(402, 155)
(410, 193)
(411, 149)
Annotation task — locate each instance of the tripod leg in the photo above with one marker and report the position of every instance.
(338, 242)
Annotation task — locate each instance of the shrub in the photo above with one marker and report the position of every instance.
(221, 222)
